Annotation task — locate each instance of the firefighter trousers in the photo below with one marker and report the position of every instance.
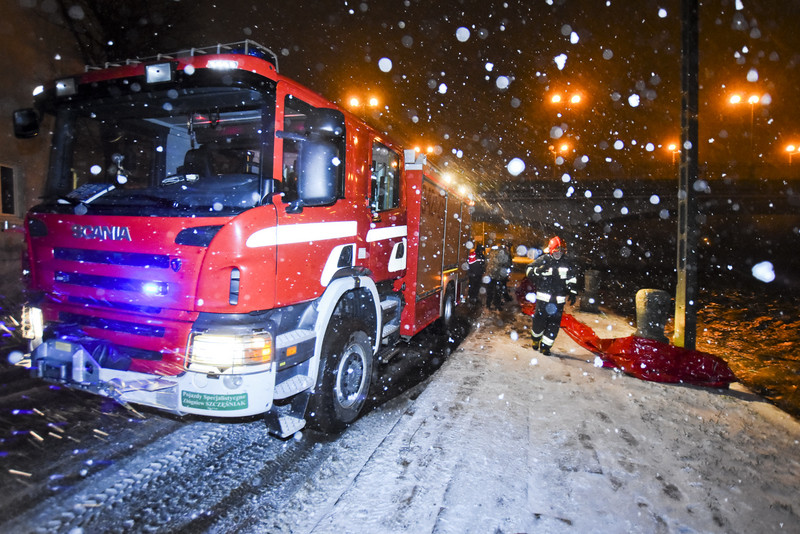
(546, 322)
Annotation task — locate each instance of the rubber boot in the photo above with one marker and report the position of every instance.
(545, 350)
(537, 343)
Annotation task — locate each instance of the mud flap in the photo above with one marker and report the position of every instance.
(285, 420)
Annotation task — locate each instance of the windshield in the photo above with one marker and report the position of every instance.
(178, 152)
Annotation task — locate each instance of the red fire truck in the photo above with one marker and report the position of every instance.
(216, 239)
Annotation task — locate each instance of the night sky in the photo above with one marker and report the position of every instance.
(623, 57)
(473, 78)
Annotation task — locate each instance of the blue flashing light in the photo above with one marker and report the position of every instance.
(154, 289)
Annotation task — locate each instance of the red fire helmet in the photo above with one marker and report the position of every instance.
(555, 243)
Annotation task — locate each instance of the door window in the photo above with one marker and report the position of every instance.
(385, 189)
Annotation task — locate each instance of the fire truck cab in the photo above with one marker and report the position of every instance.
(216, 239)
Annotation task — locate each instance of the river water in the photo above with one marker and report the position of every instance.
(755, 328)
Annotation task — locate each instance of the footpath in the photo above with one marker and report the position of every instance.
(506, 440)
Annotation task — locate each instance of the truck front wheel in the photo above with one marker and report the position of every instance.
(344, 377)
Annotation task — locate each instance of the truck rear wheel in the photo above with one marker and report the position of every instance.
(449, 307)
(344, 378)
(448, 310)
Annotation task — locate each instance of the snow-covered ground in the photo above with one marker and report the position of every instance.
(500, 439)
(504, 439)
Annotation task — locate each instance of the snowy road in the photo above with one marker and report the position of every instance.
(499, 439)
(506, 440)
(79, 463)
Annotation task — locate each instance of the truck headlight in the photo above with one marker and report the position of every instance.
(32, 322)
(220, 353)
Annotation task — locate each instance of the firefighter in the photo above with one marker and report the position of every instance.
(498, 267)
(476, 262)
(555, 281)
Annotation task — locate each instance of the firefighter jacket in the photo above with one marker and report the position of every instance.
(554, 279)
(498, 265)
(477, 264)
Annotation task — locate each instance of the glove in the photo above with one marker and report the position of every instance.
(572, 298)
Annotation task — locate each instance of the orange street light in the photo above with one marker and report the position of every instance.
(739, 99)
(674, 149)
(357, 103)
(568, 100)
(563, 147)
(792, 151)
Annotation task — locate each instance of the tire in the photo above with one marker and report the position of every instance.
(448, 310)
(344, 377)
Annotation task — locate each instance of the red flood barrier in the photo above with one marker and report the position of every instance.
(648, 359)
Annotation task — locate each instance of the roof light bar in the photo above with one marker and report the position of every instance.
(222, 64)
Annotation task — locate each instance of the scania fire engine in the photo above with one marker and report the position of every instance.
(216, 239)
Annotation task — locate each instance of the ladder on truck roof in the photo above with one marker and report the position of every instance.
(246, 47)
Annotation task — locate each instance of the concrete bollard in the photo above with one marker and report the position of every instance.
(591, 286)
(652, 309)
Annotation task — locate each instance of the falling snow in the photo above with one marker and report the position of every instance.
(515, 167)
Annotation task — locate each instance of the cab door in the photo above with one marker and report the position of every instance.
(313, 239)
(387, 237)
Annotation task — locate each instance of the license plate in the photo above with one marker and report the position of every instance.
(209, 401)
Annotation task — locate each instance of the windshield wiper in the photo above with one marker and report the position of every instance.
(64, 199)
(85, 194)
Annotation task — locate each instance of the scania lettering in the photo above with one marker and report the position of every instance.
(101, 232)
(216, 239)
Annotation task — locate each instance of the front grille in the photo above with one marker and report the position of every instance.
(146, 287)
(130, 259)
(112, 324)
(114, 305)
(138, 354)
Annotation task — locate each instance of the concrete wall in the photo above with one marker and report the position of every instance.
(36, 48)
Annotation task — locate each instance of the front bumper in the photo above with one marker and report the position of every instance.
(219, 395)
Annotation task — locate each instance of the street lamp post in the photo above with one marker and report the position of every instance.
(752, 100)
(557, 153)
(563, 101)
(685, 327)
(792, 151)
(673, 148)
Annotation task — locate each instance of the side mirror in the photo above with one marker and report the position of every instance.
(319, 159)
(317, 173)
(26, 123)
